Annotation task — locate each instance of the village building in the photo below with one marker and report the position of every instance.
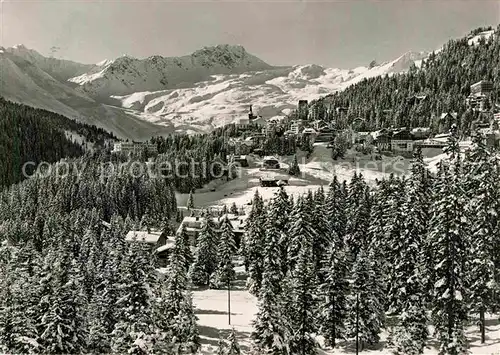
(240, 160)
(446, 120)
(402, 141)
(303, 109)
(239, 146)
(479, 95)
(193, 225)
(135, 147)
(421, 132)
(274, 180)
(242, 123)
(254, 140)
(154, 238)
(270, 163)
(325, 134)
(296, 126)
(318, 124)
(359, 137)
(309, 133)
(491, 137)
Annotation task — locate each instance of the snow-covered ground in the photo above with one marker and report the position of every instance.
(317, 170)
(211, 309)
(485, 34)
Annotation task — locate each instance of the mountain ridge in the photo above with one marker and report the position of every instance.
(137, 98)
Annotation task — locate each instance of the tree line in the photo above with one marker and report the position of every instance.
(417, 98)
(30, 134)
(338, 263)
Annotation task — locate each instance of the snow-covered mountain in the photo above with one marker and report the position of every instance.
(29, 78)
(126, 75)
(138, 98)
(59, 69)
(273, 92)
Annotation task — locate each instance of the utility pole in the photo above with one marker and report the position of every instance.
(229, 300)
(357, 324)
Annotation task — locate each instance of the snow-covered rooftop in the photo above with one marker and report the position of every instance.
(143, 236)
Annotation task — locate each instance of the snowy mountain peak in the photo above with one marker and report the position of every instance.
(22, 50)
(126, 75)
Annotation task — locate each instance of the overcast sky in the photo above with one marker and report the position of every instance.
(328, 32)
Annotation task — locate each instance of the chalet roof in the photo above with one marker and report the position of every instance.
(482, 82)
(308, 130)
(242, 120)
(276, 119)
(446, 114)
(143, 237)
(194, 224)
(421, 129)
(169, 245)
(403, 133)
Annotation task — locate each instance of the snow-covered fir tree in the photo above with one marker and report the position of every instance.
(254, 240)
(335, 210)
(271, 330)
(447, 242)
(18, 300)
(234, 209)
(358, 214)
(135, 304)
(333, 296)
(205, 256)
(408, 284)
(302, 231)
(303, 301)
(271, 327)
(366, 301)
(481, 185)
(280, 213)
(323, 237)
(183, 247)
(393, 224)
(174, 316)
(233, 345)
(63, 324)
(224, 273)
(190, 201)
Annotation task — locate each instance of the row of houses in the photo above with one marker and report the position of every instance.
(162, 244)
(401, 140)
(134, 147)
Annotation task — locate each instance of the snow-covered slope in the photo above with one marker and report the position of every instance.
(272, 92)
(59, 69)
(24, 80)
(126, 75)
(482, 35)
